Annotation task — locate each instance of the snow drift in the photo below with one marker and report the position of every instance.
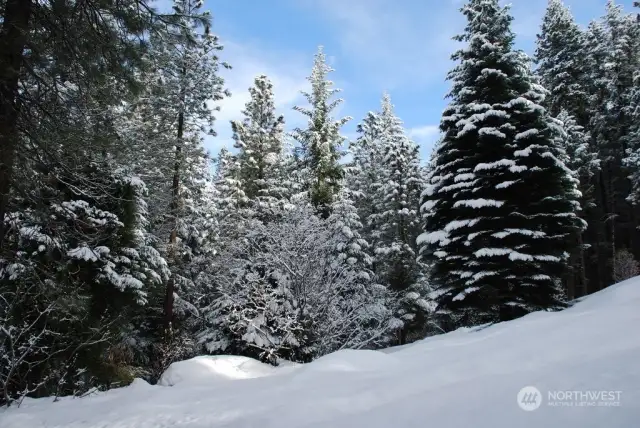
(470, 377)
(211, 369)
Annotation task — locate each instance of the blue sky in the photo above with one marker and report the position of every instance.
(401, 46)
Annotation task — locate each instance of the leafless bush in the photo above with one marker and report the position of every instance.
(625, 266)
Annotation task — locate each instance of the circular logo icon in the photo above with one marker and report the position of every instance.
(529, 398)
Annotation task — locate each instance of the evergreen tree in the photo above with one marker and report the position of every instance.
(397, 219)
(260, 141)
(365, 173)
(230, 202)
(578, 155)
(320, 143)
(362, 301)
(580, 158)
(561, 63)
(78, 265)
(229, 194)
(49, 46)
(387, 176)
(82, 271)
(612, 64)
(186, 80)
(500, 209)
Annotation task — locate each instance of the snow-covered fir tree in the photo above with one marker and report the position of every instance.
(364, 176)
(613, 58)
(397, 221)
(578, 155)
(320, 143)
(83, 271)
(364, 302)
(232, 206)
(259, 138)
(560, 55)
(185, 82)
(614, 54)
(632, 158)
(500, 211)
(76, 264)
(388, 180)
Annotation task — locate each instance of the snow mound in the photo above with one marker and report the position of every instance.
(345, 364)
(139, 384)
(209, 369)
(467, 378)
(348, 360)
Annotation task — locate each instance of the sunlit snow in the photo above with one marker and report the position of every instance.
(468, 378)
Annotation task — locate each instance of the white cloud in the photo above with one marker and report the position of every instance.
(390, 43)
(426, 137)
(427, 132)
(409, 43)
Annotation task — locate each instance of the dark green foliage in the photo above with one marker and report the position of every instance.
(500, 209)
(320, 142)
(78, 274)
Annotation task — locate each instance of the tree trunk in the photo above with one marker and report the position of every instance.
(583, 269)
(175, 206)
(613, 214)
(13, 38)
(605, 196)
(173, 237)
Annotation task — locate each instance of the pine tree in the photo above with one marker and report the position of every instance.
(561, 63)
(578, 155)
(500, 209)
(632, 160)
(361, 300)
(397, 219)
(83, 270)
(229, 194)
(612, 63)
(350, 249)
(320, 143)
(78, 266)
(387, 179)
(98, 57)
(580, 158)
(231, 204)
(364, 176)
(186, 80)
(260, 141)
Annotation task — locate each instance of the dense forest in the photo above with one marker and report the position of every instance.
(125, 246)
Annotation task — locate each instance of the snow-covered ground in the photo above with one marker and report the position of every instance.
(587, 358)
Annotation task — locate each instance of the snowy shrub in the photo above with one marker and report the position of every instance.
(283, 292)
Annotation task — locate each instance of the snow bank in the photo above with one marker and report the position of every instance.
(468, 378)
(349, 360)
(209, 369)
